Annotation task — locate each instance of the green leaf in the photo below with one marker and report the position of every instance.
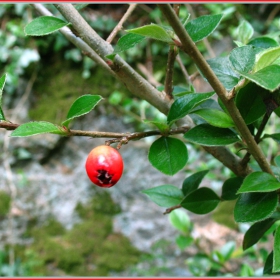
(245, 31)
(207, 135)
(201, 201)
(2, 84)
(267, 270)
(180, 220)
(275, 136)
(152, 31)
(230, 188)
(263, 42)
(224, 71)
(44, 25)
(266, 57)
(168, 155)
(276, 251)
(215, 117)
(183, 241)
(259, 182)
(33, 128)
(267, 77)
(243, 59)
(81, 106)
(203, 26)
(183, 105)
(163, 127)
(249, 101)
(256, 232)
(255, 207)
(128, 41)
(192, 182)
(165, 195)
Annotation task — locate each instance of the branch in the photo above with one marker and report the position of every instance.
(135, 83)
(121, 22)
(188, 46)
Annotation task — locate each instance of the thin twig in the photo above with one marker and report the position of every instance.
(121, 22)
(169, 210)
(183, 69)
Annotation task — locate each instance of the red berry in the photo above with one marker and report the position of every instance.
(104, 166)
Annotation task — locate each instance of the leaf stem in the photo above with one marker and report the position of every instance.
(189, 47)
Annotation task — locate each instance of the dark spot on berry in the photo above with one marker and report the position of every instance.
(104, 177)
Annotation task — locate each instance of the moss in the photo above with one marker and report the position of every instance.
(90, 248)
(5, 203)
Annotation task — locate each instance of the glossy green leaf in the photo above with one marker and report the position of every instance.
(203, 26)
(274, 136)
(224, 71)
(152, 31)
(215, 117)
(259, 182)
(267, 270)
(267, 77)
(162, 126)
(243, 58)
(192, 182)
(255, 207)
(33, 128)
(168, 155)
(263, 42)
(165, 195)
(266, 57)
(207, 135)
(201, 201)
(81, 106)
(249, 101)
(2, 84)
(230, 188)
(128, 41)
(183, 105)
(180, 220)
(276, 251)
(256, 232)
(44, 25)
(245, 31)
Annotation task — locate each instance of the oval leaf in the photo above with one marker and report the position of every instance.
(128, 41)
(168, 155)
(230, 188)
(223, 70)
(276, 251)
(266, 57)
(245, 32)
(215, 117)
(180, 220)
(192, 182)
(82, 106)
(43, 26)
(263, 42)
(267, 77)
(165, 195)
(255, 207)
(207, 135)
(243, 58)
(33, 128)
(203, 26)
(183, 105)
(256, 232)
(201, 201)
(259, 182)
(152, 31)
(162, 126)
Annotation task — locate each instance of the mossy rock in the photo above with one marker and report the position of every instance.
(90, 248)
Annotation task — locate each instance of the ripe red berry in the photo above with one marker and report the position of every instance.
(104, 166)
